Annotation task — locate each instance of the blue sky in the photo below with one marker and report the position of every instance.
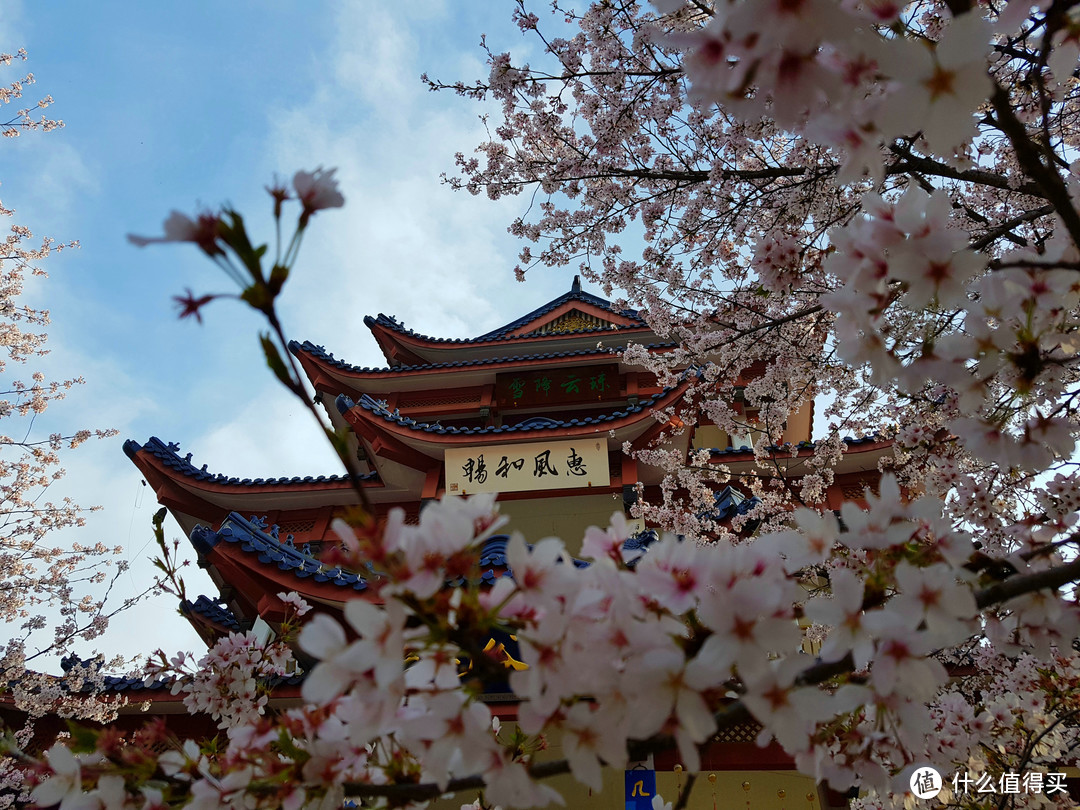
(187, 105)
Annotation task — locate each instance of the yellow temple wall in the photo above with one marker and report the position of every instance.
(708, 437)
(797, 429)
(712, 790)
(800, 424)
(565, 517)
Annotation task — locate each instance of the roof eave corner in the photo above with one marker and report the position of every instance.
(203, 540)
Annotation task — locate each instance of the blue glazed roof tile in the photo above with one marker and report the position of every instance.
(169, 454)
(307, 347)
(255, 538)
(850, 441)
(110, 683)
(505, 332)
(345, 404)
(215, 610)
(127, 683)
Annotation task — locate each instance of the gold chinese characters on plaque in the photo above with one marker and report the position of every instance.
(526, 467)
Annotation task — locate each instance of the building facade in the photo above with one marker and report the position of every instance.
(538, 411)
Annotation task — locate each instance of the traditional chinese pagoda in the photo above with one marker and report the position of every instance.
(537, 411)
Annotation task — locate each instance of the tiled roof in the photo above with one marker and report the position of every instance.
(493, 556)
(501, 334)
(787, 447)
(127, 683)
(169, 454)
(505, 332)
(493, 561)
(575, 294)
(254, 537)
(214, 610)
(730, 502)
(112, 683)
(321, 353)
(345, 404)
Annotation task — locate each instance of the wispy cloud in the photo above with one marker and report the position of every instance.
(405, 244)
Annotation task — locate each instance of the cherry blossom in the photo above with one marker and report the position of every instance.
(860, 209)
(317, 190)
(203, 231)
(297, 603)
(843, 613)
(943, 84)
(64, 786)
(51, 594)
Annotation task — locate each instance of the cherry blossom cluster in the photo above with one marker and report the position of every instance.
(743, 207)
(233, 680)
(840, 74)
(23, 119)
(230, 682)
(863, 208)
(614, 656)
(1023, 705)
(866, 208)
(38, 577)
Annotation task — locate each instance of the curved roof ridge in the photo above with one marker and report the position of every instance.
(503, 332)
(575, 294)
(321, 353)
(379, 408)
(169, 454)
(493, 337)
(254, 537)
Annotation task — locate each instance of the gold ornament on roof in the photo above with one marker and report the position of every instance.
(573, 321)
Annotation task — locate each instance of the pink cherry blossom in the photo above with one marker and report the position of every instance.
(941, 84)
(296, 602)
(203, 231)
(317, 190)
(64, 786)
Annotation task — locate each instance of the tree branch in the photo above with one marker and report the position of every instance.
(1005, 227)
(925, 165)
(1028, 155)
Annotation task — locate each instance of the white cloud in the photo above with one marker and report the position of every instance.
(405, 244)
(270, 435)
(369, 68)
(64, 179)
